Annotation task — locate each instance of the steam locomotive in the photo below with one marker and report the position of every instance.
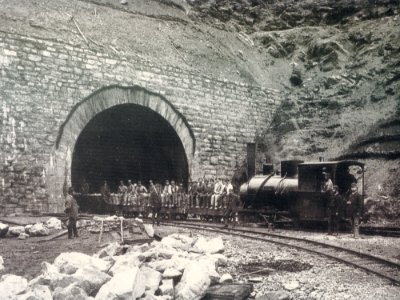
(297, 191)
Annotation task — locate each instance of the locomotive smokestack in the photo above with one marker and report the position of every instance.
(251, 159)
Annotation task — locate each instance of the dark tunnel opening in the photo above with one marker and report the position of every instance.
(128, 142)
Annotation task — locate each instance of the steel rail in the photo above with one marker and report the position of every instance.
(360, 260)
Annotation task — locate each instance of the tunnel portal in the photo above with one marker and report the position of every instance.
(128, 141)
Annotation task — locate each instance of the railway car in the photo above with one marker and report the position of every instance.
(298, 189)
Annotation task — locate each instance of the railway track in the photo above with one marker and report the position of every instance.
(382, 267)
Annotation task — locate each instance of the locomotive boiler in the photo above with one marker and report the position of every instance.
(297, 190)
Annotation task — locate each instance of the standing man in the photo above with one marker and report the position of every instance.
(233, 204)
(122, 193)
(155, 202)
(354, 209)
(218, 190)
(166, 194)
(105, 194)
(71, 210)
(334, 205)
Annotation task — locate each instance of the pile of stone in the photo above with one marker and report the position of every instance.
(23, 232)
(178, 267)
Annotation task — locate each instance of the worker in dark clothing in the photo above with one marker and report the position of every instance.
(354, 209)
(155, 202)
(233, 204)
(334, 205)
(71, 210)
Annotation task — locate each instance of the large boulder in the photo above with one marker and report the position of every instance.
(70, 262)
(124, 285)
(16, 230)
(37, 292)
(39, 229)
(12, 285)
(111, 250)
(3, 229)
(91, 279)
(215, 245)
(195, 281)
(54, 223)
(71, 292)
(167, 288)
(152, 279)
(125, 263)
(51, 277)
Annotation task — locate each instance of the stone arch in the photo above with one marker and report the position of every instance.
(99, 101)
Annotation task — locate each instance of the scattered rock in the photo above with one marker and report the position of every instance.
(125, 285)
(94, 279)
(39, 230)
(125, 263)
(3, 229)
(255, 279)
(215, 245)
(153, 279)
(111, 250)
(292, 285)
(71, 292)
(37, 292)
(226, 278)
(11, 285)
(70, 262)
(54, 223)
(280, 295)
(23, 236)
(16, 230)
(195, 281)
(171, 273)
(167, 287)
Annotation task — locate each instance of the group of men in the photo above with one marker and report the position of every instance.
(204, 193)
(342, 203)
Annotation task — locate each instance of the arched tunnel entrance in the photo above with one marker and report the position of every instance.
(128, 142)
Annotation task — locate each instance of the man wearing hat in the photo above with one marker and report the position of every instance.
(354, 206)
(71, 210)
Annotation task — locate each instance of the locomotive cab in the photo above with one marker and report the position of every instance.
(311, 201)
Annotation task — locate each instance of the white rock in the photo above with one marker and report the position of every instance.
(195, 281)
(111, 250)
(215, 245)
(292, 285)
(28, 227)
(125, 263)
(152, 279)
(167, 287)
(51, 277)
(149, 229)
(92, 277)
(69, 262)
(23, 236)
(171, 273)
(226, 278)
(54, 223)
(71, 292)
(37, 292)
(125, 285)
(174, 243)
(1, 263)
(220, 259)
(11, 285)
(3, 229)
(16, 230)
(39, 230)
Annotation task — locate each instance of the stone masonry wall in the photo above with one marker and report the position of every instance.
(42, 80)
